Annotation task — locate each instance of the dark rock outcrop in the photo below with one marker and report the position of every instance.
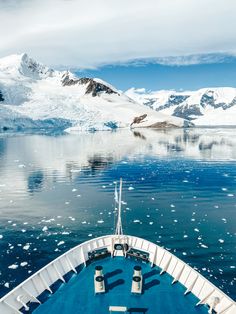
(68, 81)
(162, 125)
(94, 87)
(174, 100)
(187, 112)
(139, 119)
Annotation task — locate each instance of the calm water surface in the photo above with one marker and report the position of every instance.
(179, 192)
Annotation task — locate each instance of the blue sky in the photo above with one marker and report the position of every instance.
(156, 76)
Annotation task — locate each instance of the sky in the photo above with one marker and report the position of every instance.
(156, 44)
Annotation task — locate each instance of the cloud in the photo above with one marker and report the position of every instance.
(88, 34)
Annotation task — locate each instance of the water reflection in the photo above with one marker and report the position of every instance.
(179, 191)
(35, 181)
(26, 160)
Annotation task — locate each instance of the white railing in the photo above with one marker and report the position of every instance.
(30, 289)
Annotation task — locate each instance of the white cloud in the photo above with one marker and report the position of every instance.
(92, 33)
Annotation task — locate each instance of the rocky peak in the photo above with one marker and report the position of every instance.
(93, 87)
(29, 67)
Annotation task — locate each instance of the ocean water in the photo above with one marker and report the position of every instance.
(179, 191)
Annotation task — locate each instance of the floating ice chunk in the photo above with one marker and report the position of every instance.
(13, 266)
(185, 181)
(65, 232)
(230, 195)
(100, 221)
(136, 221)
(204, 246)
(221, 240)
(67, 203)
(26, 247)
(196, 230)
(6, 285)
(184, 253)
(224, 189)
(45, 228)
(22, 264)
(90, 235)
(60, 243)
(232, 267)
(150, 222)
(21, 166)
(84, 222)
(23, 230)
(1, 236)
(130, 188)
(172, 205)
(153, 198)
(74, 190)
(185, 236)
(175, 220)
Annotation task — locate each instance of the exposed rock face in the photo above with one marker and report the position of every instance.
(189, 111)
(173, 101)
(67, 80)
(94, 87)
(162, 125)
(139, 119)
(1, 96)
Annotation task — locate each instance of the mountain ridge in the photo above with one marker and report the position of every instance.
(35, 96)
(215, 106)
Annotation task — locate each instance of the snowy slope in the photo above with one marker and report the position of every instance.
(34, 96)
(204, 107)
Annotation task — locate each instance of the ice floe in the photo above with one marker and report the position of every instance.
(13, 266)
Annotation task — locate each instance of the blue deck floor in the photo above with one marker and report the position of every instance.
(159, 296)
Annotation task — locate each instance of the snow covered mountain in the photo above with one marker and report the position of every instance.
(34, 96)
(204, 107)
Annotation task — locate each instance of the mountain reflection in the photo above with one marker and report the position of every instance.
(35, 156)
(35, 181)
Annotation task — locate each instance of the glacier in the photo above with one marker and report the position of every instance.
(33, 96)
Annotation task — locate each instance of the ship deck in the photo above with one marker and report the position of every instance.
(158, 296)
